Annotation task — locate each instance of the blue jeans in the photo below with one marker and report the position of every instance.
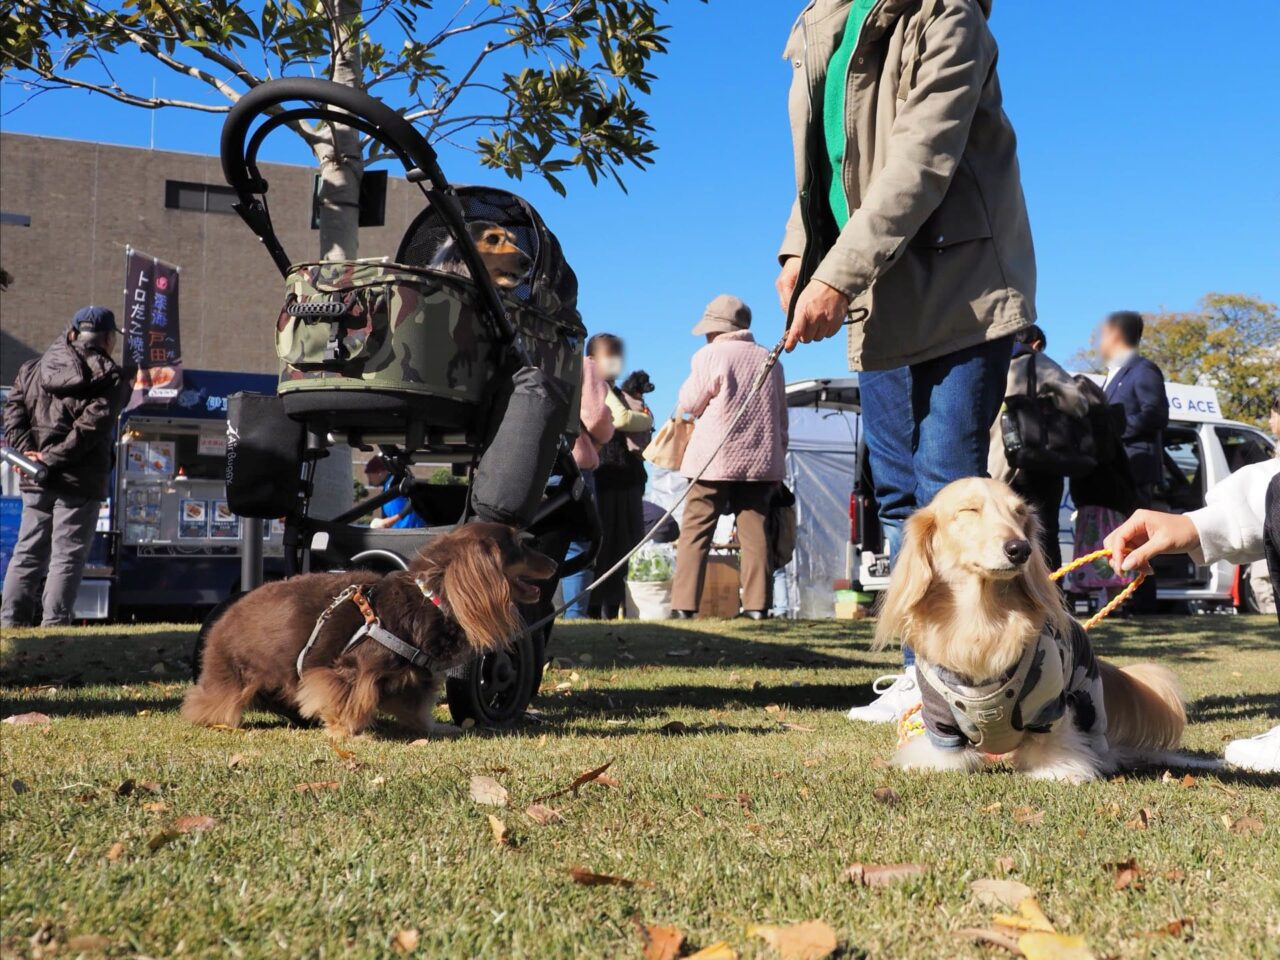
(575, 583)
(927, 425)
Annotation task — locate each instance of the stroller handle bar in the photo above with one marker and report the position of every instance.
(336, 103)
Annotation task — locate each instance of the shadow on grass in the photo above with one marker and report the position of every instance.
(1183, 638)
(85, 707)
(661, 700)
(1254, 706)
(79, 659)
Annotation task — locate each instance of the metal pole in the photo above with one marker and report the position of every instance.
(250, 553)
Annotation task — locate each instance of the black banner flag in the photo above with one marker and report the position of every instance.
(152, 346)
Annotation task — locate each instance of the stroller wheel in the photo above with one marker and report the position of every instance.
(495, 689)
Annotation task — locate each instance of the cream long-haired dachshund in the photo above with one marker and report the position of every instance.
(1002, 666)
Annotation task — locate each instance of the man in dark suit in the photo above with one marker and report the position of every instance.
(1136, 384)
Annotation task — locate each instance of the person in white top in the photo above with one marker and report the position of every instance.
(1238, 524)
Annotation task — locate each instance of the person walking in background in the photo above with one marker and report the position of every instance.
(909, 210)
(595, 429)
(1136, 385)
(61, 412)
(620, 478)
(1041, 489)
(397, 513)
(741, 477)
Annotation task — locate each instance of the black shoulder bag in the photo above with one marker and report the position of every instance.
(1041, 438)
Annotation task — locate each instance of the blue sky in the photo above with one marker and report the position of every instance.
(1149, 137)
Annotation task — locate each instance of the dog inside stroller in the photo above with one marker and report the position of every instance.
(464, 349)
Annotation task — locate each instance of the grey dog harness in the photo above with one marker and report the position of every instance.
(994, 715)
(372, 626)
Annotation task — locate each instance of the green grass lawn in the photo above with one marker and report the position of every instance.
(750, 815)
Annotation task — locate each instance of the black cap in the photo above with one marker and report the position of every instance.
(94, 320)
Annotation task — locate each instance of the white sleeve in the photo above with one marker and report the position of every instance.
(1231, 524)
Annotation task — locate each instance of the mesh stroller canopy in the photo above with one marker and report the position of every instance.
(550, 285)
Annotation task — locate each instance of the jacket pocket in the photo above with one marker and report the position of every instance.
(961, 217)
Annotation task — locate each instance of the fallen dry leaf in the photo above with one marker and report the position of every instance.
(882, 874)
(1175, 875)
(1000, 893)
(801, 728)
(811, 940)
(115, 851)
(155, 806)
(886, 795)
(717, 951)
(604, 780)
(542, 815)
(234, 761)
(125, 788)
(28, 720)
(1006, 864)
(1188, 781)
(1030, 917)
(1245, 825)
(596, 774)
(1181, 927)
(19, 786)
(1128, 874)
(1142, 821)
(499, 831)
(989, 935)
(660, 943)
(1042, 945)
(589, 878)
(488, 791)
(194, 824)
(1028, 816)
(315, 786)
(405, 941)
(162, 838)
(343, 754)
(88, 943)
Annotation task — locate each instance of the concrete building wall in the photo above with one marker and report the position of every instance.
(88, 201)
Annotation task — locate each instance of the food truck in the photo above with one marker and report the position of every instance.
(177, 543)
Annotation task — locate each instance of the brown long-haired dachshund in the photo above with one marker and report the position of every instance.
(1003, 669)
(289, 645)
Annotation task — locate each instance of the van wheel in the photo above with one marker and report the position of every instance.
(494, 690)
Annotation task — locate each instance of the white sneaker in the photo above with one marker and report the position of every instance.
(1260, 753)
(899, 696)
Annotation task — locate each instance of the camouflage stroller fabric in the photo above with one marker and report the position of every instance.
(417, 329)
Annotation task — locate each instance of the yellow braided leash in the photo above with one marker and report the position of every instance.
(1119, 598)
(911, 723)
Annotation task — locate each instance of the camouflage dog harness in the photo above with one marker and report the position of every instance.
(994, 715)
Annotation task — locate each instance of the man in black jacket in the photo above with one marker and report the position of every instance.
(61, 412)
(1136, 384)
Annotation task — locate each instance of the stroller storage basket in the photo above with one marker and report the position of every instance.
(362, 337)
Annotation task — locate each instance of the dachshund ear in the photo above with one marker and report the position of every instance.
(912, 576)
(477, 594)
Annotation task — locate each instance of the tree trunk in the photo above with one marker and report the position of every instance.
(341, 163)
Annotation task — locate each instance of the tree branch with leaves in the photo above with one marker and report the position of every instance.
(541, 88)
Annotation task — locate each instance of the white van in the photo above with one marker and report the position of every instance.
(1201, 448)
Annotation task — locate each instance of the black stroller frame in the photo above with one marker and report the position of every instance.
(494, 690)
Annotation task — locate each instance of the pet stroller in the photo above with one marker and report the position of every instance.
(424, 359)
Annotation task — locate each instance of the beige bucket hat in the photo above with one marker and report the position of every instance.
(725, 314)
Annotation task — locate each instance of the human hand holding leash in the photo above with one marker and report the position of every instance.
(1147, 534)
(820, 312)
(788, 277)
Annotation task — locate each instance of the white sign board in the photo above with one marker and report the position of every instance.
(1189, 402)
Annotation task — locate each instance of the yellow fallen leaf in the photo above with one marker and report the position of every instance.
(115, 851)
(717, 951)
(155, 806)
(89, 943)
(405, 941)
(1040, 945)
(343, 754)
(1000, 893)
(499, 830)
(811, 940)
(1030, 917)
(315, 786)
(194, 824)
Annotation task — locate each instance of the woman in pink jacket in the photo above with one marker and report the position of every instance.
(594, 431)
(742, 477)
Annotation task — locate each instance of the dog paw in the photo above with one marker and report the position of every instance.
(919, 754)
(1064, 773)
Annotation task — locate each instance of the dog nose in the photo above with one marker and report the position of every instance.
(1018, 551)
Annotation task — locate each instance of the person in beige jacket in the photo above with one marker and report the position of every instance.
(909, 219)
